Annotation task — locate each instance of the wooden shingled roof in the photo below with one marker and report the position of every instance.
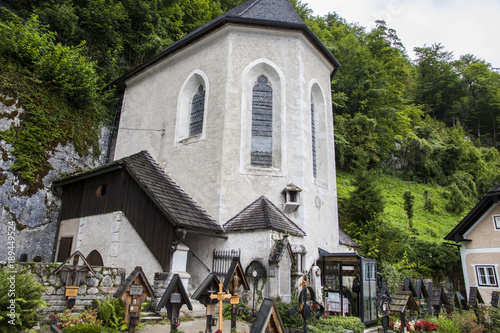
(262, 214)
(345, 239)
(403, 301)
(176, 204)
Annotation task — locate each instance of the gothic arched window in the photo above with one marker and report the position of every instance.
(262, 123)
(197, 110)
(313, 132)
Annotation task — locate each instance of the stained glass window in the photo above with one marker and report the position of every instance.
(262, 123)
(197, 111)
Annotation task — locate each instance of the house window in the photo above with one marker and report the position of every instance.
(101, 190)
(262, 123)
(370, 270)
(313, 133)
(486, 276)
(496, 219)
(197, 110)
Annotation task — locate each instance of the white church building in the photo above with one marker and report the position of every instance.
(234, 157)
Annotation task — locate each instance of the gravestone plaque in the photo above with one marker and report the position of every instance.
(135, 290)
(175, 298)
(285, 277)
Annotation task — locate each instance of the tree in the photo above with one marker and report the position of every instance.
(364, 205)
(437, 84)
(408, 206)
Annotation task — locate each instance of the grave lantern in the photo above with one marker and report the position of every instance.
(174, 297)
(133, 292)
(209, 287)
(235, 278)
(73, 275)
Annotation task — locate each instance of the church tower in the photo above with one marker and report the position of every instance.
(238, 113)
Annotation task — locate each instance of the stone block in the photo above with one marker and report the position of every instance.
(92, 282)
(92, 291)
(108, 290)
(49, 291)
(82, 289)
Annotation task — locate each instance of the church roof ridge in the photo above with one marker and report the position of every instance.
(262, 214)
(268, 13)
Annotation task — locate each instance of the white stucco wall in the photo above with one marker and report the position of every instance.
(213, 169)
(114, 238)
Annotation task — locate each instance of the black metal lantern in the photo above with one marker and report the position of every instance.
(213, 321)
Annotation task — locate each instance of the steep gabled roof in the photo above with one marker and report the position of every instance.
(176, 204)
(262, 214)
(486, 201)
(278, 14)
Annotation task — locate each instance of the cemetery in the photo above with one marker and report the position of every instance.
(76, 290)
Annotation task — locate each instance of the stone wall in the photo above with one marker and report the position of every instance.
(35, 215)
(105, 282)
(98, 286)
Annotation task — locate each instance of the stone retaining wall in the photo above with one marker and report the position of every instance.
(105, 282)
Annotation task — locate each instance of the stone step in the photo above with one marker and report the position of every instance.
(199, 310)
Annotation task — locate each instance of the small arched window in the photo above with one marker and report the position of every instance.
(94, 259)
(197, 111)
(262, 123)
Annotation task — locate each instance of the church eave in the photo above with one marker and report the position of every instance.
(197, 35)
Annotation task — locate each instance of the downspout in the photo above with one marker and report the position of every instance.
(115, 121)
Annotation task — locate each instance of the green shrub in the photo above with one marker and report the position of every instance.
(67, 68)
(85, 328)
(294, 322)
(336, 324)
(494, 319)
(463, 323)
(111, 312)
(246, 316)
(24, 300)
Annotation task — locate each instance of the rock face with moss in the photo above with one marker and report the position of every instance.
(34, 208)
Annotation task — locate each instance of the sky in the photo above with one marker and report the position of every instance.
(461, 26)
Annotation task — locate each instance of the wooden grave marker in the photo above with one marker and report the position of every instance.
(268, 319)
(73, 275)
(235, 278)
(209, 287)
(133, 292)
(174, 297)
(403, 301)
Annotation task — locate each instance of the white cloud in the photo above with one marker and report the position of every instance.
(460, 26)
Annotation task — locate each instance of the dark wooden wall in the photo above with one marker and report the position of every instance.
(122, 194)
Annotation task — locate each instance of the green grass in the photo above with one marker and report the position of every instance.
(429, 225)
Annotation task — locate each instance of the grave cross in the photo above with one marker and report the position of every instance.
(220, 296)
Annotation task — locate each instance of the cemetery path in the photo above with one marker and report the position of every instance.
(194, 326)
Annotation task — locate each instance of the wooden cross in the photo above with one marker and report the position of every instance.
(221, 295)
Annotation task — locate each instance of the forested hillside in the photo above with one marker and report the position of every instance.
(432, 120)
